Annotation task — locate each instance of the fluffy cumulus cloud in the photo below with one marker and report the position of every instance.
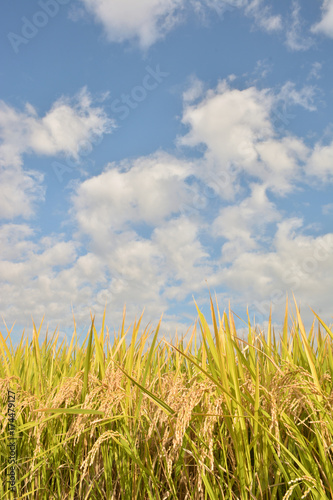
(64, 129)
(113, 207)
(48, 276)
(243, 133)
(148, 190)
(185, 256)
(325, 25)
(237, 128)
(243, 225)
(21, 192)
(30, 283)
(229, 122)
(320, 162)
(147, 20)
(297, 263)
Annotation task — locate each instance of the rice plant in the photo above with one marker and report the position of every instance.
(215, 417)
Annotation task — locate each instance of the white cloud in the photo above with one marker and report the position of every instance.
(46, 276)
(229, 121)
(21, 191)
(65, 128)
(14, 241)
(151, 191)
(147, 20)
(244, 224)
(32, 260)
(147, 191)
(279, 163)
(325, 25)
(296, 263)
(236, 126)
(185, 257)
(30, 283)
(320, 162)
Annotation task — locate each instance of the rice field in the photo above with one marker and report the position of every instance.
(213, 417)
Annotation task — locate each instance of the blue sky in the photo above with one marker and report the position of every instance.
(150, 150)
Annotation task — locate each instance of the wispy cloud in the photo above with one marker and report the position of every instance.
(325, 25)
(244, 119)
(320, 162)
(305, 97)
(315, 71)
(327, 209)
(263, 16)
(296, 39)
